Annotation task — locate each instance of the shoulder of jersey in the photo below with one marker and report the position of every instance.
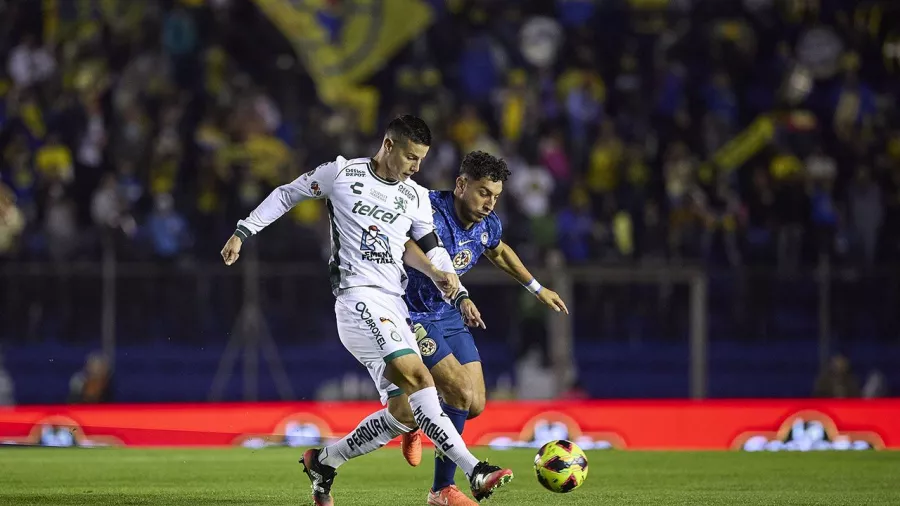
(493, 220)
(354, 167)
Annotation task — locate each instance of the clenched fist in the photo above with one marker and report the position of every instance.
(232, 250)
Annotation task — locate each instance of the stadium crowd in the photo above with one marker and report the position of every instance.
(763, 134)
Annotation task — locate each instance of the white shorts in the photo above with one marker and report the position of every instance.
(374, 327)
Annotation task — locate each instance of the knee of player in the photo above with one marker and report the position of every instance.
(402, 413)
(459, 393)
(419, 378)
(476, 407)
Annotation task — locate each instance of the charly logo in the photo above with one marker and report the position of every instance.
(462, 259)
(400, 204)
(550, 426)
(296, 430)
(807, 431)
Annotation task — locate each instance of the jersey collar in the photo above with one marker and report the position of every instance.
(377, 177)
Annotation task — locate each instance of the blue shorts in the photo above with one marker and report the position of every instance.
(445, 335)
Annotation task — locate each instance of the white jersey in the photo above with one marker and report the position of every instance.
(371, 220)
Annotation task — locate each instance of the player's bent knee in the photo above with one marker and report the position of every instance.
(458, 393)
(409, 373)
(476, 407)
(419, 378)
(399, 408)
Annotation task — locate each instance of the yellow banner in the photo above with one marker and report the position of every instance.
(344, 47)
(749, 142)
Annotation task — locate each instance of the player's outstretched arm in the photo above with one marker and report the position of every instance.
(509, 262)
(446, 281)
(315, 184)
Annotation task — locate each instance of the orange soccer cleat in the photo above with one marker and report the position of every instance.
(449, 496)
(411, 445)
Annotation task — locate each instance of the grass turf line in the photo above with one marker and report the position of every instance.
(238, 476)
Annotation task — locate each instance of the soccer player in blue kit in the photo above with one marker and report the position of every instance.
(465, 222)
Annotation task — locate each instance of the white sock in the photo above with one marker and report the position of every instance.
(439, 429)
(377, 430)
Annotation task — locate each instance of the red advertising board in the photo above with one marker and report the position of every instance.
(751, 425)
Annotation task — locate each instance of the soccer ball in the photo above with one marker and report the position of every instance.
(560, 466)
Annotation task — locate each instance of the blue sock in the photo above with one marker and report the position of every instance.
(444, 468)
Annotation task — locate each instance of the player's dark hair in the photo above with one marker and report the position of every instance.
(479, 164)
(409, 127)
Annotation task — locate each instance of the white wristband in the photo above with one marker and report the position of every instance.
(533, 286)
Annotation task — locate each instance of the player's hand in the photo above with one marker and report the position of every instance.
(447, 283)
(232, 250)
(551, 298)
(471, 315)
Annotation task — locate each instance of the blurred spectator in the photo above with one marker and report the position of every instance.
(866, 214)
(553, 156)
(876, 386)
(60, 227)
(7, 387)
(54, 161)
(575, 226)
(721, 103)
(837, 380)
(29, 63)
(180, 40)
(790, 206)
(93, 384)
(605, 161)
(532, 187)
(820, 166)
(12, 222)
(480, 67)
(167, 229)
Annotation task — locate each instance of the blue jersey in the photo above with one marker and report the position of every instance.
(464, 246)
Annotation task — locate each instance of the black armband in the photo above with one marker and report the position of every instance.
(428, 242)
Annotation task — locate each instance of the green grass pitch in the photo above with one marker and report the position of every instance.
(103, 476)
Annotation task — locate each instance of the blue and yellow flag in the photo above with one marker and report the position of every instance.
(343, 44)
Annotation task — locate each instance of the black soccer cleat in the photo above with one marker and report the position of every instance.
(486, 478)
(320, 475)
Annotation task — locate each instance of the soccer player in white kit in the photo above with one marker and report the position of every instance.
(374, 209)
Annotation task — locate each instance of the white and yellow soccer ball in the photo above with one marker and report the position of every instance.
(561, 466)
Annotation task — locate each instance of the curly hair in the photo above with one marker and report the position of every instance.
(409, 127)
(479, 164)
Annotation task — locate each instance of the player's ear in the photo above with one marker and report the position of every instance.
(461, 183)
(388, 144)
